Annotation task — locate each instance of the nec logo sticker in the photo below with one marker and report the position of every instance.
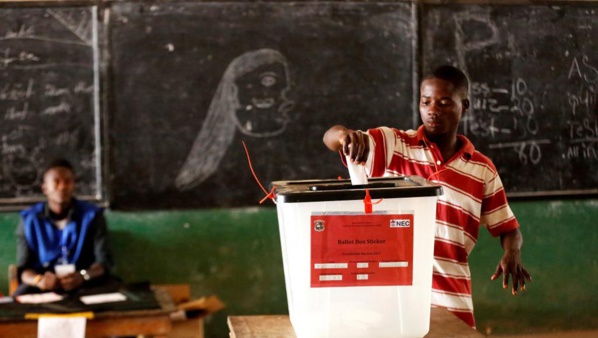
(400, 223)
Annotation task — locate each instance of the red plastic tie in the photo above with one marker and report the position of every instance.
(367, 202)
(271, 195)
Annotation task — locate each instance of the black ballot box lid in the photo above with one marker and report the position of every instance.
(332, 190)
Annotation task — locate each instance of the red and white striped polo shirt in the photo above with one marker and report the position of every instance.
(473, 195)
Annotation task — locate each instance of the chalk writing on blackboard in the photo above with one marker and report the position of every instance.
(251, 98)
(534, 89)
(49, 100)
(583, 119)
(581, 123)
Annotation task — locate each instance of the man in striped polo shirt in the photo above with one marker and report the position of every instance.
(473, 191)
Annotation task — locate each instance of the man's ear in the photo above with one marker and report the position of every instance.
(465, 104)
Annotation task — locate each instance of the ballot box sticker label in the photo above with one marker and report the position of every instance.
(361, 249)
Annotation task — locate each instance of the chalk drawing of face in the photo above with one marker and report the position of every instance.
(251, 98)
(262, 99)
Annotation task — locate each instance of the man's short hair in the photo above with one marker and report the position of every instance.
(58, 163)
(451, 74)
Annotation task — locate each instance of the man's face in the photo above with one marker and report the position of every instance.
(59, 185)
(441, 107)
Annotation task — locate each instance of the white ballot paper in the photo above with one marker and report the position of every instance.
(63, 327)
(62, 270)
(103, 298)
(38, 298)
(356, 172)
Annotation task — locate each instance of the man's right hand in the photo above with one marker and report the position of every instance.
(353, 143)
(49, 281)
(356, 146)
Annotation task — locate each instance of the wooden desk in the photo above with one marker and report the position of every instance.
(443, 324)
(154, 323)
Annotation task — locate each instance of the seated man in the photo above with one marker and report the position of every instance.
(62, 244)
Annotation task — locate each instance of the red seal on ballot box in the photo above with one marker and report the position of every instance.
(356, 249)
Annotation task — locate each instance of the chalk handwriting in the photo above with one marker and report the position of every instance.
(63, 107)
(18, 132)
(584, 149)
(34, 104)
(586, 71)
(483, 39)
(17, 91)
(14, 113)
(483, 99)
(482, 127)
(51, 90)
(23, 32)
(586, 128)
(88, 163)
(7, 57)
(66, 138)
(583, 100)
(8, 149)
(83, 88)
(501, 111)
(527, 151)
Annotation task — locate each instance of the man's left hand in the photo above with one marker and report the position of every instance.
(71, 281)
(510, 267)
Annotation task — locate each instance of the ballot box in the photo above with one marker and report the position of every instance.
(358, 258)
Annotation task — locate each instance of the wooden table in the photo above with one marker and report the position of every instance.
(443, 324)
(154, 323)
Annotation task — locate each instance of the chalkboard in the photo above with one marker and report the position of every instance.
(191, 81)
(49, 99)
(534, 85)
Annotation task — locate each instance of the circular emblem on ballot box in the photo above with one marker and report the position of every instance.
(319, 225)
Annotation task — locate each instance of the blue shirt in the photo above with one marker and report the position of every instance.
(40, 243)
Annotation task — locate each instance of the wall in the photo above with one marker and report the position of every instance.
(561, 254)
(235, 254)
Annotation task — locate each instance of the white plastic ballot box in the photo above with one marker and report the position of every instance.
(355, 268)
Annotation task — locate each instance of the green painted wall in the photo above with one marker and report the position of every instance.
(561, 252)
(235, 254)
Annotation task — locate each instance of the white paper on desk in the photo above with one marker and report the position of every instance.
(38, 298)
(63, 327)
(103, 298)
